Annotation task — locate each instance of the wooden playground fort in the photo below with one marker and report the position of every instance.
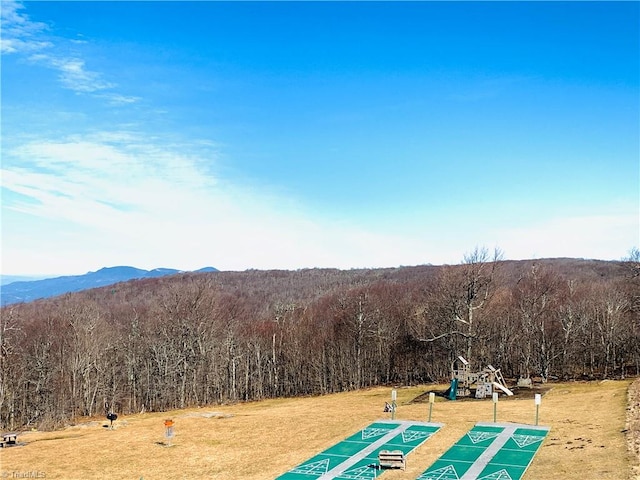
(485, 382)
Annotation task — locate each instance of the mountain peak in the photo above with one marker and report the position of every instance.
(118, 269)
(27, 291)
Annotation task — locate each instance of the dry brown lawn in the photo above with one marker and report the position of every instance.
(261, 440)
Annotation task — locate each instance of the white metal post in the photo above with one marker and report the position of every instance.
(432, 399)
(495, 406)
(394, 395)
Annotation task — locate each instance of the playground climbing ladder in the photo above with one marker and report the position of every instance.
(489, 451)
(356, 457)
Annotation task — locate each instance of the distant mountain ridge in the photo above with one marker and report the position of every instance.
(6, 279)
(27, 291)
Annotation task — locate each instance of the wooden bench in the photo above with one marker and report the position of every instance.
(9, 439)
(392, 459)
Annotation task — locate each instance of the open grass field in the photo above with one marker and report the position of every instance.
(261, 440)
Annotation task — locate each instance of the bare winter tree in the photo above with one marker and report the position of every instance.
(10, 330)
(461, 293)
(633, 261)
(535, 297)
(190, 340)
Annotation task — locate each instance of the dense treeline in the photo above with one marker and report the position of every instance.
(197, 339)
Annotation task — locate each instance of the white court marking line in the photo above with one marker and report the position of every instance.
(508, 465)
(525, 467)
(335, 455)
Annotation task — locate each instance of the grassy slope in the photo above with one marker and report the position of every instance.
(261, 440)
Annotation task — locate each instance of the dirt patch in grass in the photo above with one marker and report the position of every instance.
(518, 393)
(261, 440)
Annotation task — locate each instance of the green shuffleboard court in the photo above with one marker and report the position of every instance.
(356, 457)
(489, 451)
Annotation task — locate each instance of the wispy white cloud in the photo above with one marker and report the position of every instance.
(74, 75)
(131, 199)
(117, 99)
(34, 40)
(121, 197)
(19, 33)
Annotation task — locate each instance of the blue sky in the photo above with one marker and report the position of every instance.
(316, 134)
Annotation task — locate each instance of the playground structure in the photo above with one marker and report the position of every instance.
(486, 381)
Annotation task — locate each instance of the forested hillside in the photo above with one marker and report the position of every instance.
(197, 339)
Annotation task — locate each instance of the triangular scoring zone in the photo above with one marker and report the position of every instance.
(361, 473)
(315, 468)
(373, 432)
(444, 473)
(525, 440)
(499, 475)
(412, 435)
(477, 437)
